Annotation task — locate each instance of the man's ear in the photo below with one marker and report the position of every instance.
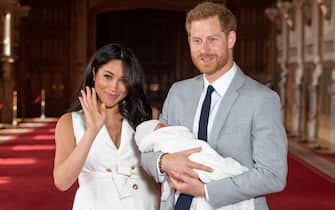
(231, 39)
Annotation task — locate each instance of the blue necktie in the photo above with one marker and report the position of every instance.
(184, 201)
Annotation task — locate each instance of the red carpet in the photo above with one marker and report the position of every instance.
(26, 173)
(26, 178)
(330, 157)
(306, 189)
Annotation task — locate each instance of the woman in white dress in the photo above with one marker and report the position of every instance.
(95, 140)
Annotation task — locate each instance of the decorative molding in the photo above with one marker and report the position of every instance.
(287, 10)
(313, 101)
(293, 33)
(307, 12)
(316, 73)
(325, 8)
(273, 15)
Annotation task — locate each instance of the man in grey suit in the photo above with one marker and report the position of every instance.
(244, 119)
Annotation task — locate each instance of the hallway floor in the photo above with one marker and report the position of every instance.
(26, 162)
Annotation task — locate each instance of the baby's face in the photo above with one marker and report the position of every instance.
(160, 125)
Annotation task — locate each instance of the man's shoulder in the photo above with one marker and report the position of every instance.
(255, 88)
(187, 83)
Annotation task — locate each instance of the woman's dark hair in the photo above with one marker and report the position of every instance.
(134, 107)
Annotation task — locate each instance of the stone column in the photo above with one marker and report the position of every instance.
(297, 105)
(312, 123)
(284, 8)
(332, 113)
(299, 73)
(313, 103)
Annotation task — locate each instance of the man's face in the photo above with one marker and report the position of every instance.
(211, 48)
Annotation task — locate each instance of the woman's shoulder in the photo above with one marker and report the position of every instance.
(65, 120)
(64, 129)
(76, 118)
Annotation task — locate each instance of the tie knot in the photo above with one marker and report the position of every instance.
(210, 89)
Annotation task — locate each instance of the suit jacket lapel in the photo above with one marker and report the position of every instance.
(192, 102)
(225, 105)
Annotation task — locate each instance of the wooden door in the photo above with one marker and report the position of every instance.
(44, 58)
(157, 38)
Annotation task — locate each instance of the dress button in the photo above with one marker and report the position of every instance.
(133, 167)
(135, 186)
(109, 170)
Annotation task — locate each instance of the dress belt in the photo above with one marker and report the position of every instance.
(119, 173)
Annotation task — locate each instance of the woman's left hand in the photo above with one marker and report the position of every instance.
(95, 117)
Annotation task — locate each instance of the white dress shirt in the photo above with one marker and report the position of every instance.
(220, 85)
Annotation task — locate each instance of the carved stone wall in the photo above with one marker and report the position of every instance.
(310, 48)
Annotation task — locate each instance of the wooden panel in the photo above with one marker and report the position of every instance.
(155, 37)
(44, 58)
(252, 40)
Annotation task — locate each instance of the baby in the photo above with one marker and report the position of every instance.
(154, 136)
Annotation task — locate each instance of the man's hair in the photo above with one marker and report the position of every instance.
(206, 10)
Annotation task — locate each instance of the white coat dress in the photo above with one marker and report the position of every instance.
(111, 178)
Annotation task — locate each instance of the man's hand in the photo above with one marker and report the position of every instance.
(178, 164)
(181, 174)
(188, 186)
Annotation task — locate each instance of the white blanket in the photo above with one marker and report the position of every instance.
(178, 138)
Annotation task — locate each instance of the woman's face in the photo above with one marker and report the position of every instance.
(111, 83)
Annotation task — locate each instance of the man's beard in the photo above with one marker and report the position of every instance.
(215, 64)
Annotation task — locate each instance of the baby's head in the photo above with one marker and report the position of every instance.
(160, 125)
(147, 127)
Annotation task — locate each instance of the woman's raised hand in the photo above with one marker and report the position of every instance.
(95, 116)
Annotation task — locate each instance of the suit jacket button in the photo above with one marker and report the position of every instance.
(109, 170)
(135, 186)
